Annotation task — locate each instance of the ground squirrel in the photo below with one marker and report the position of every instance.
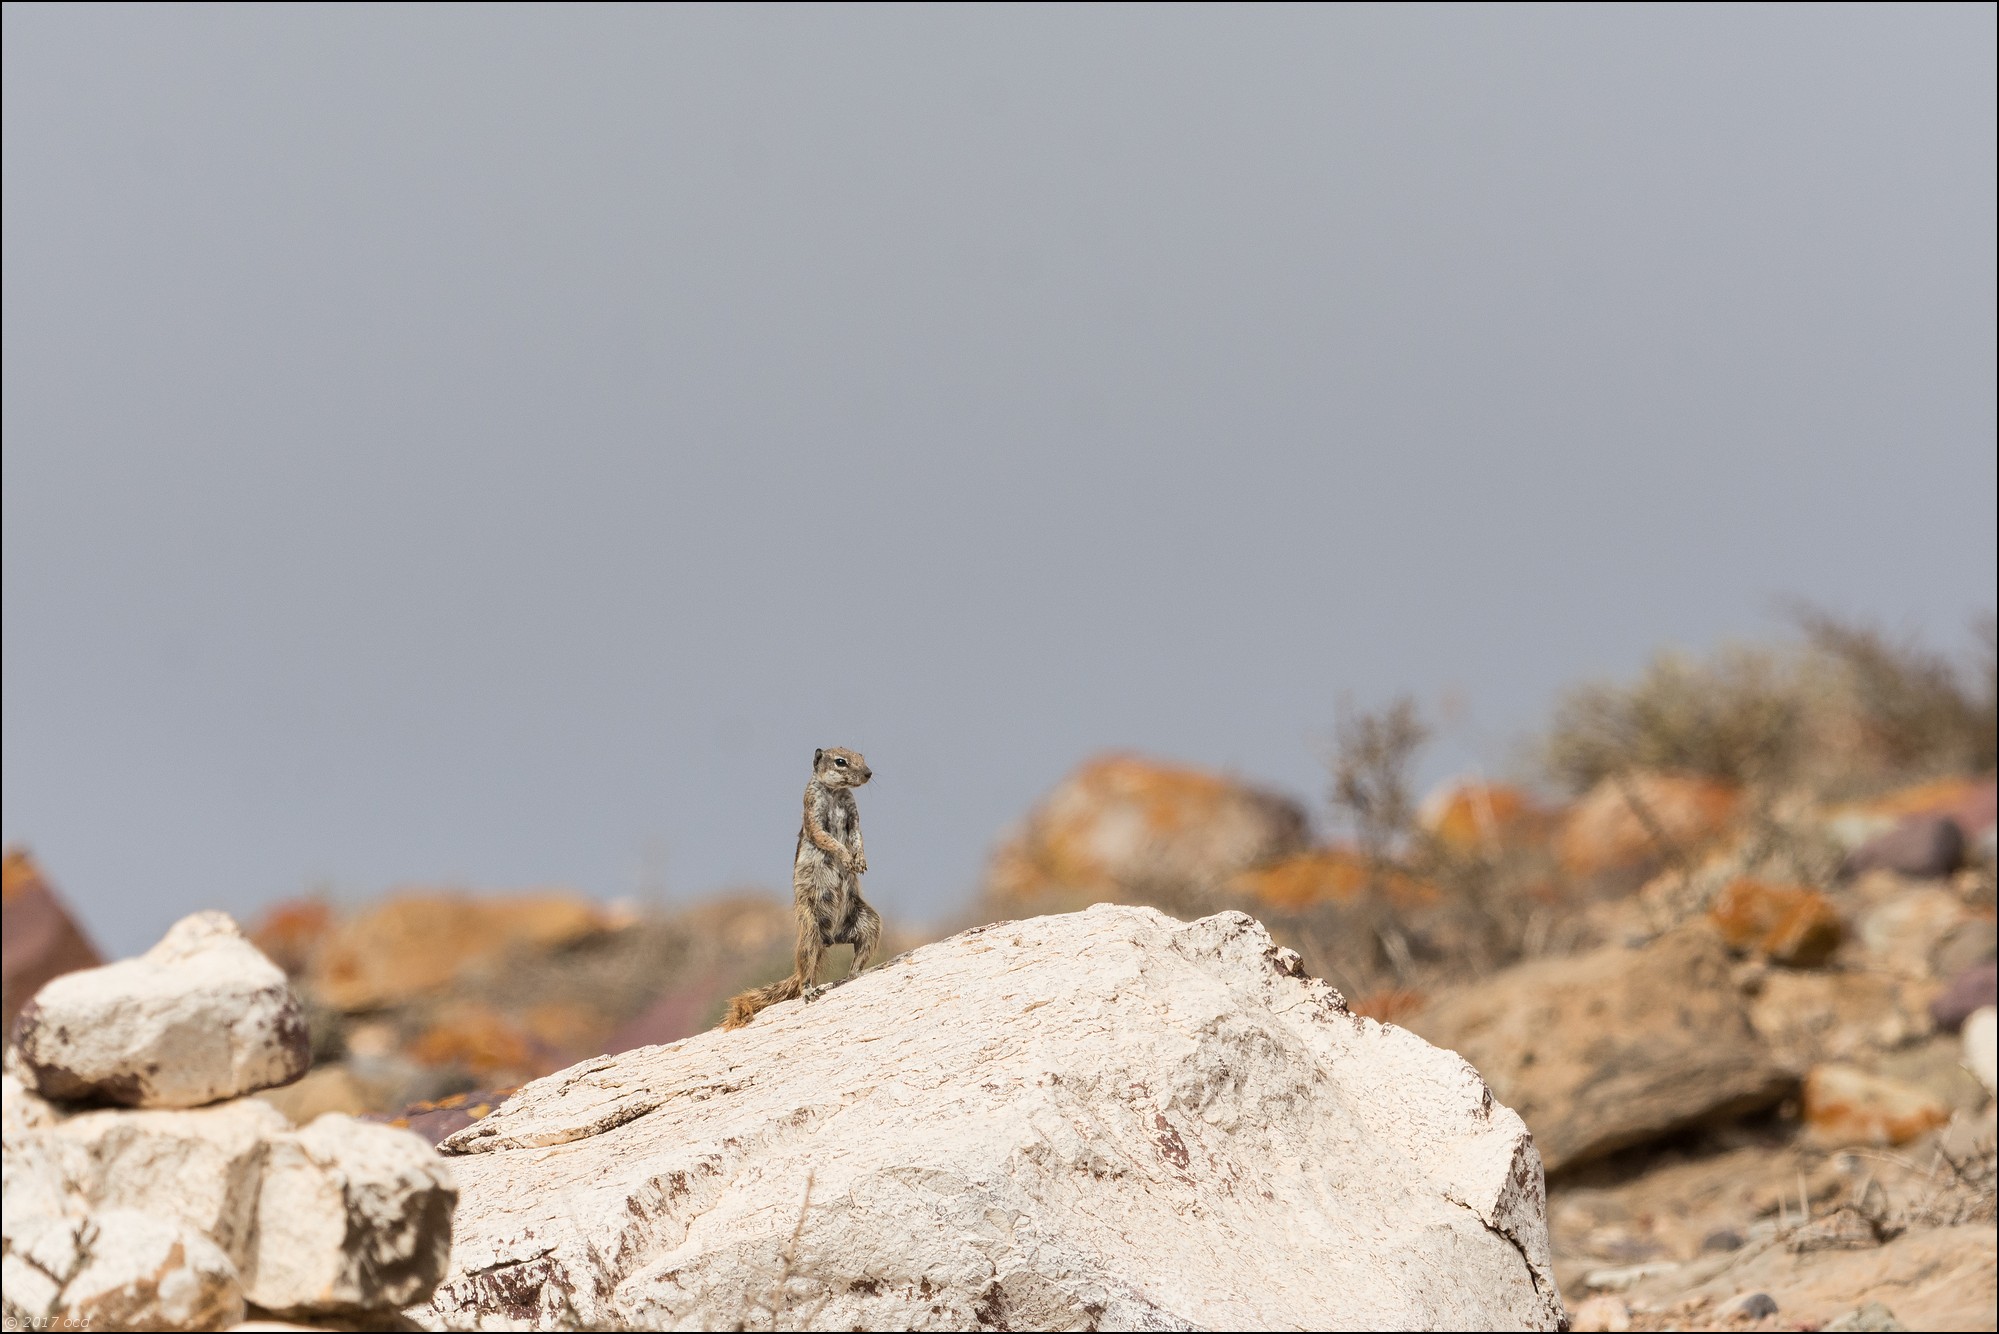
(825, 882)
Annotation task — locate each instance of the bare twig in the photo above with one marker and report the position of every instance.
(779, 1301)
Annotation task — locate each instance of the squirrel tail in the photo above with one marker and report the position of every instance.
(744, 1008)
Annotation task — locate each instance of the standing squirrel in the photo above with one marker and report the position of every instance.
(826, 875)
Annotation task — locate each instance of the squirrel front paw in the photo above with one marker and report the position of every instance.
(857, 866)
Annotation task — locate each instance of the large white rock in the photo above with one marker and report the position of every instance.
(203, 1168)
(1101, 1120)
(353, 1217)
(201, 1016)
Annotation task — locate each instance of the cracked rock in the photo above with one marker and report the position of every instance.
(1109, 1119)
(353, 1217)
(202, 1168)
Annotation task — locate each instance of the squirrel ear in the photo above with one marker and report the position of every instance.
(818, 755)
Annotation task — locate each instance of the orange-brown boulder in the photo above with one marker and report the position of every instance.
(1122, 827)
(1811, 1017)
(413, 943)
(290, 932)
(1847, 1105)
(1637, 821)
(1613, 1048)
(1328, 875)
(1968, 803)
(484, 1043)
(39, 940)
(1788, 923)
(1483, 818)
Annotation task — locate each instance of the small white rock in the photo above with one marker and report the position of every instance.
(201, 1016)
(1602, 1313)
(1981, 1038)
(1626, 1277)
(1746, 1306)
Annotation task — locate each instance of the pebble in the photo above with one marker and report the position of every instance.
(1629, 1276)
(1600, 1313)
(1873, 1318)
(1747, 1306)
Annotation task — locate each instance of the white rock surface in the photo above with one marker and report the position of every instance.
(1981, 1046)
(341, 1218)
(354, 1217)
(203, 1168)
(41, 1226)
(23, 1109)
(201, 1016)
(140, 1271)
(1108, 1119)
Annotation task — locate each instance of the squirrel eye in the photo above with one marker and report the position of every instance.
(841, 763)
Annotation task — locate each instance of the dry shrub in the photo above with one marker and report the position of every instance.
(1372, 752)
(1408, 910)
(1848, 707)
(1914, 711)
(1734, 718)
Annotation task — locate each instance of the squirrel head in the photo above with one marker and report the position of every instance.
(837, 766)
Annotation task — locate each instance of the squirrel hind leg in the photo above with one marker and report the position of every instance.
(866, 935)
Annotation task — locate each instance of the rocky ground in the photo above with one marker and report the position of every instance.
(1751, 1029)
(1753, 1036)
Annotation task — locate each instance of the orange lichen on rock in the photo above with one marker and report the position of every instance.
(482, 1042)
(435, 1120)
(1121, 824)
(38, 937)
(1788, 923)
(1969, 801)
(1846, 1105)
(1328, 875)
(412, 943)
(17, 872)
(1639, 820)
(1473, 817)
(290, 932)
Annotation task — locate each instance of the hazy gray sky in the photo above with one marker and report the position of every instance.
(486, 445)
